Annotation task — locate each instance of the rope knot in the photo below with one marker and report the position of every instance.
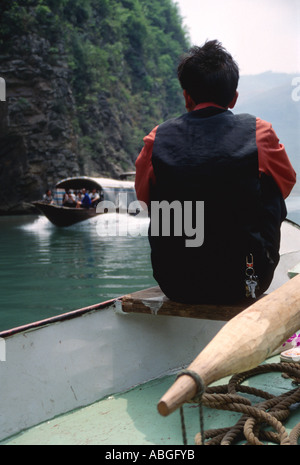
(198, 380)
(197, 398)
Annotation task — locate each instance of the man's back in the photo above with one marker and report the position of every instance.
(231, 164)
(210, 155)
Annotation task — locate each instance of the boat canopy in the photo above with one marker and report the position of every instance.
(89, 183)
(111, 189)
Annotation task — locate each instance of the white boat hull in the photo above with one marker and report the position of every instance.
(67, 362)
(56, 368)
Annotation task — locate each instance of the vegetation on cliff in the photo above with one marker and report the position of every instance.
(90, 77)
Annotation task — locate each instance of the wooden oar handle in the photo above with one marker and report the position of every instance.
(184, 388)
(192, 382)
(242, 344)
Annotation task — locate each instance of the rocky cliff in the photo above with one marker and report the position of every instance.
(38, 144)
(79, 98)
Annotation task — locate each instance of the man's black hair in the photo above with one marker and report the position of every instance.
(209, 74)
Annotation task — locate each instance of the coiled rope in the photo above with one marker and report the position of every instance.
(272, 411)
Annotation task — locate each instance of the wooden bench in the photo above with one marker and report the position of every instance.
(153, 301)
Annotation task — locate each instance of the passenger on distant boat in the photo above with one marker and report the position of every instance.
(69, 200)
(78, 196)
(236, 166)
(95, 197)
(47, 197)
(86, 201)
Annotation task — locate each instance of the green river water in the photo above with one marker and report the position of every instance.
(46, 271)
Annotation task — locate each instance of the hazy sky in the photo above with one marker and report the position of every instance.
(262, 35)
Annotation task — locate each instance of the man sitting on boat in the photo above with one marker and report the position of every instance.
(69, 200)
(95, 197)
(85, 201)
(235, 166)
(78, 197)
(47, 197)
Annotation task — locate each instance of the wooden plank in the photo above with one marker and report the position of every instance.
(153, 302)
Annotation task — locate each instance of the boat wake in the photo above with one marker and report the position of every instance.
(114, 224)
(108, 225)
(41, 225)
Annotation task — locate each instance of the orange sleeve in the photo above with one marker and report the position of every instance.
(272, 158)
(144, 176)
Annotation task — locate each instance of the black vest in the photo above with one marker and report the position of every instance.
(210, 156)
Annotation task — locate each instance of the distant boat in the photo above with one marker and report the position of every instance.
(108, 189)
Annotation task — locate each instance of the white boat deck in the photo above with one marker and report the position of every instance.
(131, 418)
